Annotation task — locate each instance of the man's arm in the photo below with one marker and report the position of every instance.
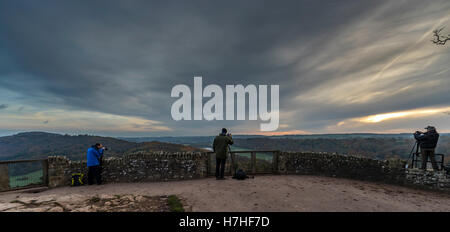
(230, 140)
(419, 136)
(98, 153)
(214, 145)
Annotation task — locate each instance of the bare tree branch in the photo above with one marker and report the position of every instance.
(438, 38)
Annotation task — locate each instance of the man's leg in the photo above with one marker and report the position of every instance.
(217, 167)
(99, 175)
(222, 168)
(432, 159)
(424, 159)
(90, 175)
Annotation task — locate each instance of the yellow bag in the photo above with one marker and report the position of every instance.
(77, 179)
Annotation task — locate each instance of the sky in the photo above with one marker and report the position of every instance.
(108, 67)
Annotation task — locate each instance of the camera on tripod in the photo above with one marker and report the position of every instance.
(418, 133)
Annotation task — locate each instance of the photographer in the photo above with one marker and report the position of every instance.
(427, 142)
(220, 147)
(94, 162)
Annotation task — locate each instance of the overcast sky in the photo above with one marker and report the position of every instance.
(108, 67)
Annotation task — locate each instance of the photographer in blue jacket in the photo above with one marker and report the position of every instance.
(94, 162)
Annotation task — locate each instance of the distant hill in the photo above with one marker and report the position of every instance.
(195, 141)
(32, 145)
(376, 146)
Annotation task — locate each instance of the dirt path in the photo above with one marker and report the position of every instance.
(264, 193)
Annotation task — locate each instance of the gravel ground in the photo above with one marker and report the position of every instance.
(263, 193)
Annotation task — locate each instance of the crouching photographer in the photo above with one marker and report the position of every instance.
(94, 163)
(427, 142)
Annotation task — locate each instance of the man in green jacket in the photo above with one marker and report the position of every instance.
(220, 147)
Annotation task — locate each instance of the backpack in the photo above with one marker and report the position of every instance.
(77, 179)
(240, 175)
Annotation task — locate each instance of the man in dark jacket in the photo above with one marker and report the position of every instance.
(220, 147)
(94, 157)
(427, 142)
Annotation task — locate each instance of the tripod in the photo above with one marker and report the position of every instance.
(233, 165)
(411, 154)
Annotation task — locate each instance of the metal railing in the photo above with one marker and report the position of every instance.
(252, 162)
(21, 174)
(417, 161)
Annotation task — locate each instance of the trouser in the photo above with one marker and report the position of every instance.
(94, 172)
(220, 167)
(425, 154)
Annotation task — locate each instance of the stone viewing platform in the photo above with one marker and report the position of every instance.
(266, 193)
(299, 181)
(164, 166)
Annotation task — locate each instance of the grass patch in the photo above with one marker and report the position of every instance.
(94, 200)
(175, 204)
(31, 178)
(17, 201)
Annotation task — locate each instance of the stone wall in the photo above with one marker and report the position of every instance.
(58, 171)
(428, 179)
(334, 165)
(163, 166)
(138, 167)
(4, 177)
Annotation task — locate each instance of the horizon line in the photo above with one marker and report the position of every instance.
(237, 134)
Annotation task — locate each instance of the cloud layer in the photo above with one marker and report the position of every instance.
(108, 68)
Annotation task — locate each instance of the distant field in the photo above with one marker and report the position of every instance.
(263, 161)
(31, 178)
(264, 156)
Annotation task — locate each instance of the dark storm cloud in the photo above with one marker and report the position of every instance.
(123, 57)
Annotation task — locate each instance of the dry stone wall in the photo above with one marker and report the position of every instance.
(138, 167)
(163, 166)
